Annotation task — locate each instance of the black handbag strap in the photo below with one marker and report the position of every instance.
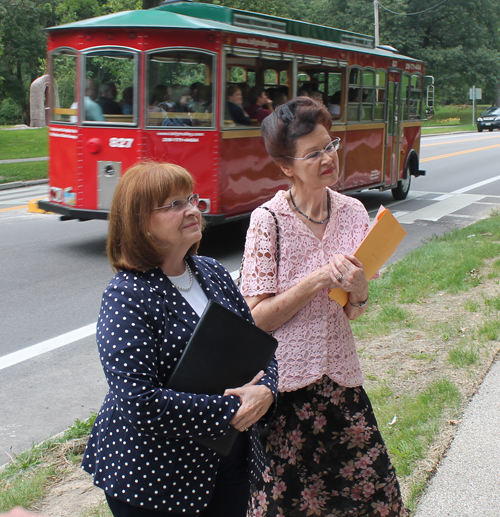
(238, 283)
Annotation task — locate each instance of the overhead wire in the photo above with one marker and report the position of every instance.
(412, 14)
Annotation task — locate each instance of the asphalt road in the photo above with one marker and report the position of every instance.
(53, 274)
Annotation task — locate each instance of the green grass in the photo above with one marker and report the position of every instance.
(490, 330)
(452, 118)
(443, 264)
(23, 143)
(418, 420)
(463, 356)
(493, 303)
(23, 171)
(23, 480)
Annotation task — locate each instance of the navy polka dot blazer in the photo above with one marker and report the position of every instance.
(141, 448)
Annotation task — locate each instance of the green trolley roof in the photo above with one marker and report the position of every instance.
(185, 14)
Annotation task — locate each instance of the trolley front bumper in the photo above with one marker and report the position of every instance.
(68, 213)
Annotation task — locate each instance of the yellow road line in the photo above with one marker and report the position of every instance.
(458, 153)
(457, 141)
(13, 208)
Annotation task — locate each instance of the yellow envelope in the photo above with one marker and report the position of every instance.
(381, 241)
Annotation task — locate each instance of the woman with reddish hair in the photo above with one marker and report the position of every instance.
(142, 450)
(326, 454)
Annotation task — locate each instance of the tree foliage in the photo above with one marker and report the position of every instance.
(459, 40)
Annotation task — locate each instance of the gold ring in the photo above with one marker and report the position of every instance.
(245, 428)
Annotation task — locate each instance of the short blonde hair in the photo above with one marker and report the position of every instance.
(143, 187)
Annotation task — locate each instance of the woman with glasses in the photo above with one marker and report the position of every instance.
(325, 451)
(142, 450)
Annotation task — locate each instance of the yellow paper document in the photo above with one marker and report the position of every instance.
(379, 244)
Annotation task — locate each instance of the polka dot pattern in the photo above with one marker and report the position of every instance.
(141, 448)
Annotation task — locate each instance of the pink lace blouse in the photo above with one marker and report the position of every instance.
(318, 339)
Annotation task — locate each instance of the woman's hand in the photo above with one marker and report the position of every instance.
(348, 274)
(255, 402)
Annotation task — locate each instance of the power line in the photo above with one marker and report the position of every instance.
(411, 14)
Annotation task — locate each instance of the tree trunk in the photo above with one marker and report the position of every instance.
(498, 95)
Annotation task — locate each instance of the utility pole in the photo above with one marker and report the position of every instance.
(375, 11)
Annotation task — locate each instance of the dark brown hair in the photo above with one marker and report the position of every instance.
(232, 89)
(290, 121)
(143, 187)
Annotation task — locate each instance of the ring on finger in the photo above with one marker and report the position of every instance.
(245, 428)
(339, 278)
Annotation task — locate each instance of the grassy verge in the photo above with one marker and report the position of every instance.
(426, 342)
(24, 480)
(23, 171)
(28, 143)
(449, 119)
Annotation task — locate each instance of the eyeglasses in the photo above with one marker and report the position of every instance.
(179, 204)
(331, 148)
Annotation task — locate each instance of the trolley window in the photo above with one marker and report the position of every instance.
(323, 83)
(353, 108)
(108, 81)
(180, 89)
(250, 69)
(379, 102)
(405, 90)
(63, 86)
(415, 97)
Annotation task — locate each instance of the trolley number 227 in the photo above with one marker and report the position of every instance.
(121, 142)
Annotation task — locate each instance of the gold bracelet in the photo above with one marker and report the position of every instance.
(362, 304)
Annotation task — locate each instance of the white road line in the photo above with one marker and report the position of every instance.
(442, 198)
(438, 210)
(46, 346)
(56, 342)
(476, 185)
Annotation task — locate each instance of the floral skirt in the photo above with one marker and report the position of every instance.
(327, 458)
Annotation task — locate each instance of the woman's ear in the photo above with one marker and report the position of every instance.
(285, 168)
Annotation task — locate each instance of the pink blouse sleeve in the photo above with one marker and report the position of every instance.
(259, 272)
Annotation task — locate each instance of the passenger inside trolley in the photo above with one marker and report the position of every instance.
(235, 106)
(93, 110)
(107, 99)
(261, 105)
(334, 106)
(127, 101)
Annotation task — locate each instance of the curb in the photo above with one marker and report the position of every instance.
(33, 206)
(25, 160)
(18, 184)
(448, 133)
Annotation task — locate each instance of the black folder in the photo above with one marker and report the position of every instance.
(225, 351)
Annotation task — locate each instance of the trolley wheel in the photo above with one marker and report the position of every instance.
(400, 192)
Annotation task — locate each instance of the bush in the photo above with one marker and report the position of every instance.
(10, 112)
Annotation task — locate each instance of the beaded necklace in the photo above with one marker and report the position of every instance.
(305, 215)
(190, 279)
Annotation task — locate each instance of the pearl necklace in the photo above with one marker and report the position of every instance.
(305, 215)
(188, 269)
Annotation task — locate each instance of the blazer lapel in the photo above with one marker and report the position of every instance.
(172, 298)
